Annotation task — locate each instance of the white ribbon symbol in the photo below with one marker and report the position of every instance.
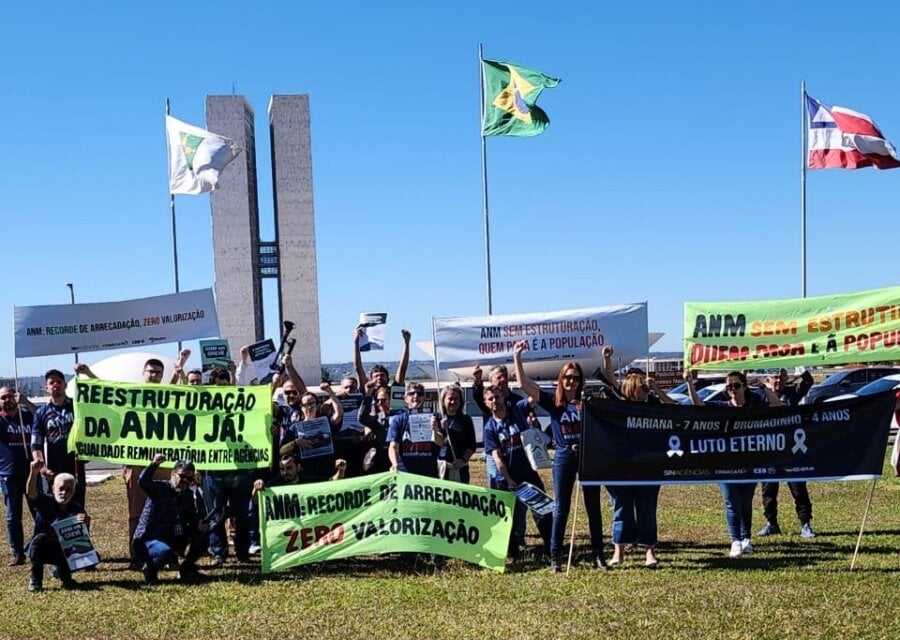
(799, 441)
(674, 447)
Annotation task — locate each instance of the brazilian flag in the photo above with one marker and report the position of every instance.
(510, 94)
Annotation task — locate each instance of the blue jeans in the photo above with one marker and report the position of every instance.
(634, 514)
(490, 469)
(231, 488)
(157, 553)
(565, 470)
(738, 498)
(13, 495)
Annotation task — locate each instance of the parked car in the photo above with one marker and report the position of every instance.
(882, 384)
(846, 381)
(679, 393)
(717, 392)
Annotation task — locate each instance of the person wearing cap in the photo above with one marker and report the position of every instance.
(171, 523)
(789, 394)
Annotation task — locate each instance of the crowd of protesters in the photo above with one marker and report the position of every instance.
(178, 516)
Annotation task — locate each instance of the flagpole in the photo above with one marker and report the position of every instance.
(484, 189)
(174, 230)
(804, 143)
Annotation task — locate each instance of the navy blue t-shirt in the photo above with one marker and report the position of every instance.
(505, 436)
(47, 511)
(417, 457)
(15, 453)
(565, 422)
(52, 424)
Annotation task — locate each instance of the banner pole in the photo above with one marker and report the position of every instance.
(25, 446)
(804, 141)
(574, 519)
(484, 189)
(862, 525)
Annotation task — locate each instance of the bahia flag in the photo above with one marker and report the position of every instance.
(841, 138)
(196, 157)
(510, 94)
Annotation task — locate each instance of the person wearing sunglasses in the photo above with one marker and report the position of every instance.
(406, 454)
(374, 417)
(564, 407)
(634, 506)
(15, 452)
(296, 441)
(172, 523)
(738, 496)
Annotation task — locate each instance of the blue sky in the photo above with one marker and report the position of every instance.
(670, 172)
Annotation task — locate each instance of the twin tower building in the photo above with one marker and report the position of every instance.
(240, 257)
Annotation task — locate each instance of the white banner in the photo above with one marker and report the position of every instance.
(576, 334)
(67, 328)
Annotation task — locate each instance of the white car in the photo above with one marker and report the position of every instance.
(882, 384)
(712, 392)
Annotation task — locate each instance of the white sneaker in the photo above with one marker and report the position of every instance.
(736, 549)
(746, 547)
(254, 549)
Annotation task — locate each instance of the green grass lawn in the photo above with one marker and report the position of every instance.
(789, 588)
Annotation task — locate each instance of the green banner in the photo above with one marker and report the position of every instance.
(825, 330)
(383, 513)
(218, 428)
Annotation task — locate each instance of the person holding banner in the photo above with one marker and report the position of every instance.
(738, 496)
(50, 435)
(459, 435)
(414, 439)
(789, 394)
(15, 453)
(44, 546)
(564, 408)
(152, 373)
(228, 490)
(503, 443)
(498, 377)
(634, 506)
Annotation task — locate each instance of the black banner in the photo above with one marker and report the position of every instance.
(639, 443)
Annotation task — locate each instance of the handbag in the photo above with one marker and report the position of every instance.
(446, 470)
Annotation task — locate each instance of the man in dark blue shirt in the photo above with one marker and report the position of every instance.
(50, 434)
(171, 523)
(44, 547)
(15, 453)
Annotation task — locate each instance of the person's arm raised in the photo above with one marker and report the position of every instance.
(525, 383)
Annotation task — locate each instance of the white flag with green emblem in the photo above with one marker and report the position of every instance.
(196, 157)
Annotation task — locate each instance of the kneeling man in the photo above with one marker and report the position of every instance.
(172, 522)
